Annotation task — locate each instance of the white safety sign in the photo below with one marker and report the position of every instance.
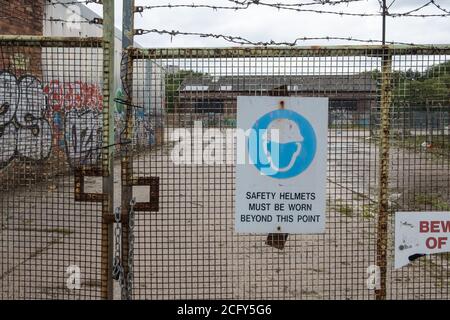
(281, 165)
(420, 233)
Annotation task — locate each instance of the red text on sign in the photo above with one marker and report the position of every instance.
(436, 243)
(434, 226)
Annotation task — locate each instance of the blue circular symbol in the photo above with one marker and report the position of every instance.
(286, 151)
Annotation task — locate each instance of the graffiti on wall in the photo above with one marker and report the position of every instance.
(73, 95)
(24, 130)
(83, 137)
(143, 133)
(34, 117)
(77, 118)
(37, 119)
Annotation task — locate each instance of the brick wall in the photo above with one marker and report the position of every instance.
(21, 17)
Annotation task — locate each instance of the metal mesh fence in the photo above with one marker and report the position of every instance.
(53, 242)
(54, 214)
(419, 178)
(185, 245)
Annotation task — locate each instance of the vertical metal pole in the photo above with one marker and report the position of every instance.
(126, 159)
(383, 179)
(108, 151)
(128, 24)
(383, 35)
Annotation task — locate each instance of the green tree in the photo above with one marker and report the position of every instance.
(173, 84)
(428, 89)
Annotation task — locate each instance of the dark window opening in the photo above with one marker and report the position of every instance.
(349, 105)
(209, 106)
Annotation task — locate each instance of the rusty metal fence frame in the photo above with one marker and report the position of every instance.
(137, 218)
(65, 46)
(168, 246)
(383, 112)
(69, 175)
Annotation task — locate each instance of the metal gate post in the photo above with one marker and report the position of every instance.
(108, 149)
(383, 178)
(126, 159)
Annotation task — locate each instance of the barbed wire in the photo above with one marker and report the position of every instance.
(389, 6)
(247, 5)
(410, 13)
(243, 41)
(418, 8)
(429, 3)
(55, 2)
(440, 8)
(313, 3)
(67, 5)
(298, 7)
(93, 21)
(244, 5)
(325, 2)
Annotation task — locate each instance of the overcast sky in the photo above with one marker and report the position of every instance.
(265, 24)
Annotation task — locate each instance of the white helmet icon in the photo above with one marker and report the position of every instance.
(282, 132)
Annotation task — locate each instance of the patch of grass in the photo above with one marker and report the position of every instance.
(92, 283)
(440, 149)
(440, 145)
(434, 201)
(345, 210)
(368, 211)
(357, 196)
(435, 272)
(60, 231)
(310, 293)
(316, 270)
(27, 222)
(349, 126)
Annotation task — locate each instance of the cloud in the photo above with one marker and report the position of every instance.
(264, 24)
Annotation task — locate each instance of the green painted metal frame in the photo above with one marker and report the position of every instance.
(108, 150)
(53, 42)
(106, 171)
(383, 175)
(106, 197)
(385, 52)
(107, 42)
(126, 160)
(297, 51)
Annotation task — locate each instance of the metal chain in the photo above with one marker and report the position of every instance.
(126, 285)
(130, 249)
(118, 272)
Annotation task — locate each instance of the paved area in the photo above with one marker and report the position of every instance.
(188, 248)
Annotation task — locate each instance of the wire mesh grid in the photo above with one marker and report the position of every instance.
(419, 178)
(51, 97)
(187, 248)
(185, 245)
